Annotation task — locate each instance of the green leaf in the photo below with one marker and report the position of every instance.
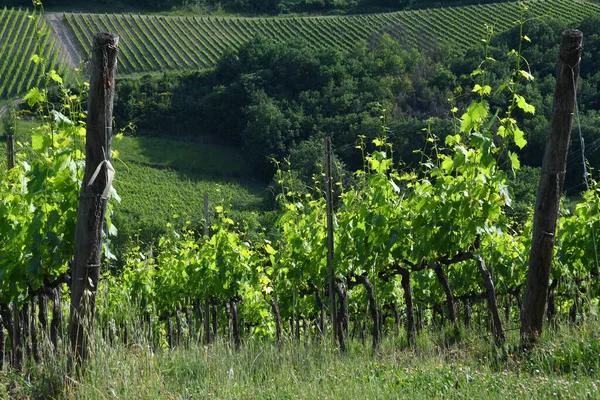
(519, 137)
(523, 105)
(34, 96)
(526, 75)
(447, 164)
(270, 250)
(378, 142)
(61, 121)
(36, 59)
(37, 140)
(514, 161)
(55, 77)
(482, 90)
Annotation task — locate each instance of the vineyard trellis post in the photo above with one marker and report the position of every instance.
(550, 188)
(10, 151)
(95, 189)
(329, 200)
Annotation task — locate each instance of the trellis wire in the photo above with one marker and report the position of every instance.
(583, 160)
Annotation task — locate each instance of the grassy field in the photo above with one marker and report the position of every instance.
(564, 367)
(161, 181)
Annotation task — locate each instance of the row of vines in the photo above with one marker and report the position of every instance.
(23, 34)
(420, 247)
(154, 43)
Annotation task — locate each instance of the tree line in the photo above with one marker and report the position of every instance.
(267, 6)
(278, 100)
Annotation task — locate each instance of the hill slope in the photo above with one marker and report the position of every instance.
(156, 43)
(23, 34)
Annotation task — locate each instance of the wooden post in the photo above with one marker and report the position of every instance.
(10, 151)
(492, 302)
(93, 200)
(55, 325)
(206, 303)
(329, 200)
(550, 188)
(17, 340)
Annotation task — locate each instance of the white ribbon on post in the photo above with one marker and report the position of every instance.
(110, 174)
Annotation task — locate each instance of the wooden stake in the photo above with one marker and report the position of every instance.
(550, 188)
(10, 151)
(85, 269)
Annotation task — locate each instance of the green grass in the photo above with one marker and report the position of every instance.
(565, 366)
(193, 158)
(161, 181)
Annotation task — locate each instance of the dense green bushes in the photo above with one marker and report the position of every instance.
(270, 97)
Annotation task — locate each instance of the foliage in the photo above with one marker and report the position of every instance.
(250, 100)
(40, 195)
(174, 176)
(25, 41)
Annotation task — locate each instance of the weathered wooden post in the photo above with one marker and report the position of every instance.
(550, 188)
(95, 190)
(492, 302)
(2, 343)
(10, 151)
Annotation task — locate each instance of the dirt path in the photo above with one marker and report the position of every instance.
(65, 38)
(4, 108)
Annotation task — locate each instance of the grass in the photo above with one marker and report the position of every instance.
(564, 366)
(193, 158)
(163, 181)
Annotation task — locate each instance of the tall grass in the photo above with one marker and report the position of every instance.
(564, 366)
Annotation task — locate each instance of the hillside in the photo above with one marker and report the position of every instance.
(23, 34)
(158, 43)
(155, 43)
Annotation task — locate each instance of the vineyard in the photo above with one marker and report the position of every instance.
(23, 34)
(425, 247)
(156, 43)
(407, 258)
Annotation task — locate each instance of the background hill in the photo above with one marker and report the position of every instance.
(151, 43)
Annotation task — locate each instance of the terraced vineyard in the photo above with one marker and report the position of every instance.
(154, 43)
(18, 42)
